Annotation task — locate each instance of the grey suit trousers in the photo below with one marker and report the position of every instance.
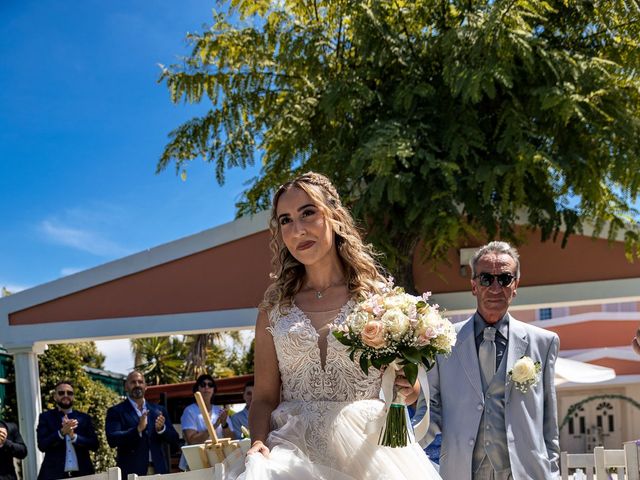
(486, 472)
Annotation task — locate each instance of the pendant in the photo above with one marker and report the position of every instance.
(318, 295)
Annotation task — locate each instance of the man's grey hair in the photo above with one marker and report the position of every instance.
(497, 248)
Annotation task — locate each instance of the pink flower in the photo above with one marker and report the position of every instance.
(373, 334)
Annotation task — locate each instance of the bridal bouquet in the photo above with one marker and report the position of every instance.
(401, 332)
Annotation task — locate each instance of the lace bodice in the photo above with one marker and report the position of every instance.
(302, 374)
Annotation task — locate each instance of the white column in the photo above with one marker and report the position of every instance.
(25, 362)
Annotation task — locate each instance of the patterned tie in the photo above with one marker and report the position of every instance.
(487, 356)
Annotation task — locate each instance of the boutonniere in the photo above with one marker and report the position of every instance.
(525, 373)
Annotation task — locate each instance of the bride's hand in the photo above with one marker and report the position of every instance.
(259, 447)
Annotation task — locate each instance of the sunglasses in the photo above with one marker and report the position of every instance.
(62, 393)
(486, 279)
(206, 384)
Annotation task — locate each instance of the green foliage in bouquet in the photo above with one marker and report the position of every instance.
(396, 326)
(395, 330)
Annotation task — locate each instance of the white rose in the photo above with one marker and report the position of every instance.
(396, 323)
(358, 321)
(395, 302)
(524, 370)
(425, 319)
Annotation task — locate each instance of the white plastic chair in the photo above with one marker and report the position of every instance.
(632, 460)
(584, 461)
(112, 474)
(606, 459)
(204, 474)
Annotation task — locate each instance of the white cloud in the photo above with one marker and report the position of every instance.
(84, 240)
(119, 357)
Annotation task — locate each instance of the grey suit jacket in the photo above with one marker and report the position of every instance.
(531, 419)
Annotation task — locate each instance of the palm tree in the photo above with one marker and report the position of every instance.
(207, 353)
(181, 358)
(204, 351)
(160, 359)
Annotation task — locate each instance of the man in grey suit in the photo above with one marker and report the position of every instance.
(494, 404)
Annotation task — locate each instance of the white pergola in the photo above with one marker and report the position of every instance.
(210, 281)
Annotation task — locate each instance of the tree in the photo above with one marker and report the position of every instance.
(160, 359)
(64, 362)
(248, 359)
(437, 120)
(208, 353)
(229, 356)
(90, 355)
(180, 359)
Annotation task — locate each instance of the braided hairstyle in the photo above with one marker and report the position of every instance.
(361, 271)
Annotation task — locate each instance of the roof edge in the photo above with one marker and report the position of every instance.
(137, 262)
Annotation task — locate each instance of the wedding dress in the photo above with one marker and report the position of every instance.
(318, 430)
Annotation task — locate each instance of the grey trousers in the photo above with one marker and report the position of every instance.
(486, 472)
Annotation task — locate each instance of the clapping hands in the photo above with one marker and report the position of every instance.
(142, 423)
(144, 419)
(160, 423)
(222, 418)
(68, 426)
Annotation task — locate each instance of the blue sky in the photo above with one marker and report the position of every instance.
(82, 124)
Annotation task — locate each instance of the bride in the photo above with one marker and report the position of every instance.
(312, 403)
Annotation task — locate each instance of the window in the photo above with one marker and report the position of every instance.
(620, 307)
(549, 313)
(545, 314)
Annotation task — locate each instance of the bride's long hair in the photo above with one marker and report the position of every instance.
(361, 271)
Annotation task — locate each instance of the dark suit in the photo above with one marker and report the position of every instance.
(13, 447)
(133, 447)
(54, 447)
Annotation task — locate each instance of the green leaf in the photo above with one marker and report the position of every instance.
(364, 364)
(377, 362)
(342, 338)
(411, 372)
(412, 355)
(427, 362)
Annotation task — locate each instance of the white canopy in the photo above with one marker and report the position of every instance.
(568, 370)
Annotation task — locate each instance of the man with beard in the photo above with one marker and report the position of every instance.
(138, 430)
(65, 436)
(11, 446)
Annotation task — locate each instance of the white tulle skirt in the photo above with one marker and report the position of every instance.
(327, 441)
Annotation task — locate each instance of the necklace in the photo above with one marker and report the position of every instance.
(320, 293)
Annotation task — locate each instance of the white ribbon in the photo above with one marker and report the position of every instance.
(388, 380)
(420, 429)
